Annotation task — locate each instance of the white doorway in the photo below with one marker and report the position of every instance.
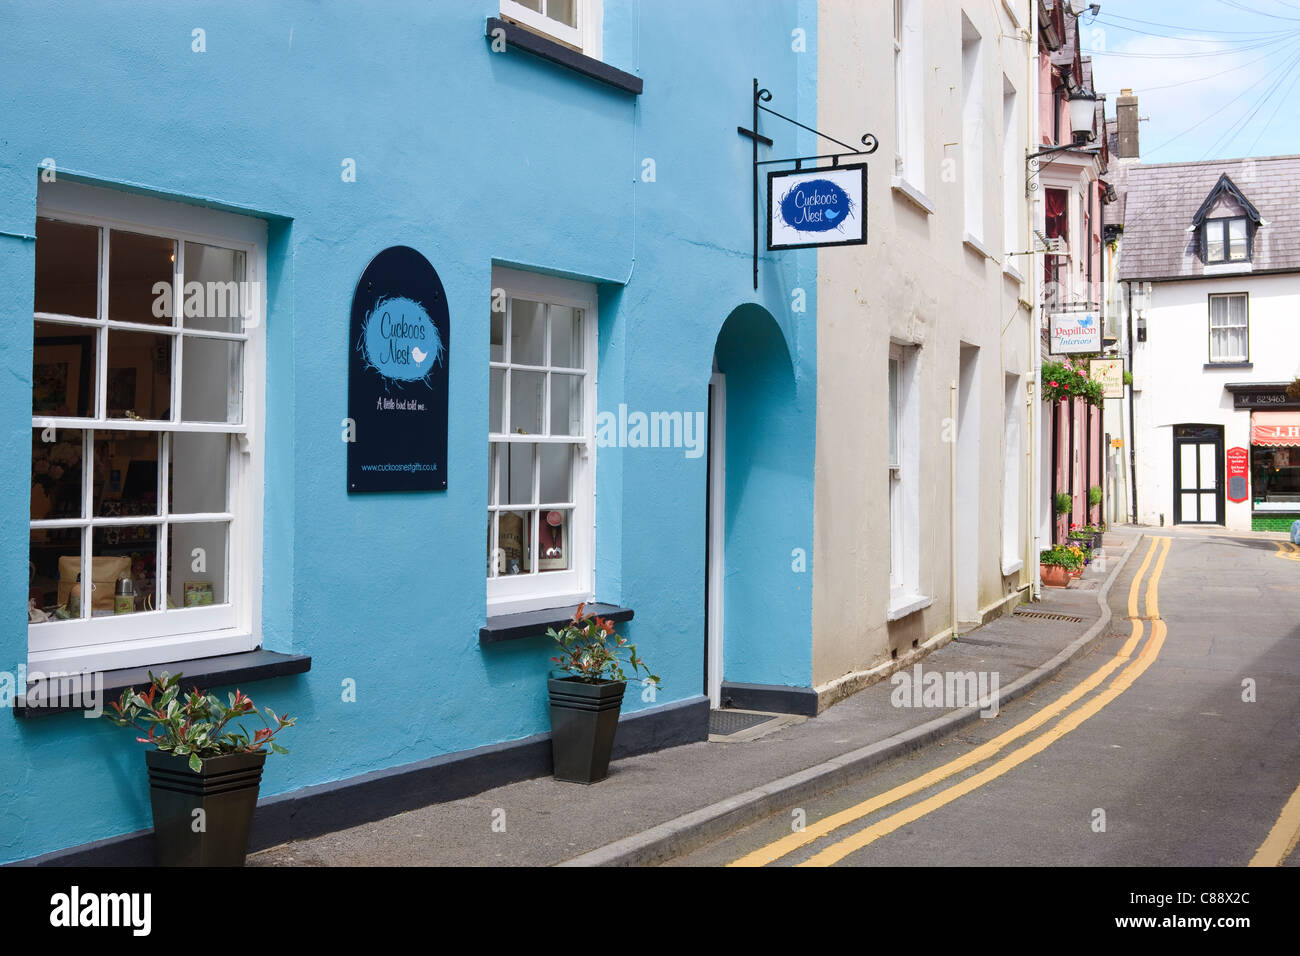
(715, 565)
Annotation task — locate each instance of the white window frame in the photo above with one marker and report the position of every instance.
(1227, 298)
(1012, 189)
(585, 37)
(904, 498)
(147, 638)
(972, 124)
(536, 591)
(909, 98)
(1012, 457)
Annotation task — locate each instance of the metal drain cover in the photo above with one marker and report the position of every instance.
(1045, 616)
(724, 723)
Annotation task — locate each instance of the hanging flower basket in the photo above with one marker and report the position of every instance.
(1063, 380)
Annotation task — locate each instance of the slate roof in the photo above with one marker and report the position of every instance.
(1162, 200)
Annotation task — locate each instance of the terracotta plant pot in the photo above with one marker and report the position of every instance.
(1077, 573)
(1054, 576)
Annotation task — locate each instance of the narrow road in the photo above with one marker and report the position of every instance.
(1175, 742)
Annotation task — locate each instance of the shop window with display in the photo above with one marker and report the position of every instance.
(145, 531)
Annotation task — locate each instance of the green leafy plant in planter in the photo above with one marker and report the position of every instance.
(585, 704)
(1094, 495)
(206, 770)
(1057, 563)
(1063, 503)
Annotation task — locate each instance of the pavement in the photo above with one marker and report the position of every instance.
(658, 806)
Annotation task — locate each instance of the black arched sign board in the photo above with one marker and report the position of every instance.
(398, 357)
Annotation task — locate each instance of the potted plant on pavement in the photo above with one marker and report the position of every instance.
(585, 705)
(205, 770)
(1056, 563)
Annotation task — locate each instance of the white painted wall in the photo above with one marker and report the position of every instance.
(917, 282)
(1173, 387)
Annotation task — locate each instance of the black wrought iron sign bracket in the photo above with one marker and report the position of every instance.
(762, 96)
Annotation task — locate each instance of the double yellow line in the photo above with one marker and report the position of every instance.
(868, 835)
(1285, 549)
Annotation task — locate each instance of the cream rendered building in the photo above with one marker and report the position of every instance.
(926, 340)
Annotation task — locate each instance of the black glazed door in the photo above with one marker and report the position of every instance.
(1198, 474)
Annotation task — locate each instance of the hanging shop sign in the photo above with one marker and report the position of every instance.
(397, 376)
(1075, 332)
(1110, 373)
(1238, 460)
(822, 207)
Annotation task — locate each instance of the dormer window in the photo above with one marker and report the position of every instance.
(1226, 240)
(1225, 225)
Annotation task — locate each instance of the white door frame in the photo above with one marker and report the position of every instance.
(716, 531)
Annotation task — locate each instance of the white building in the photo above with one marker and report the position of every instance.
(1211, 270)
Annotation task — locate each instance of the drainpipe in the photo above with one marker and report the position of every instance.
(1035, 449)
(1132, 435)
(952, 416)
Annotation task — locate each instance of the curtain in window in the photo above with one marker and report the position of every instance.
(1228, 328)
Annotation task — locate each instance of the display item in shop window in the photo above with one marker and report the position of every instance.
(198, 593)
(124, 596)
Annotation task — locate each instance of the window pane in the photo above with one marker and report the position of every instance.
(517, 469)
(1218, 345)
(1218, 311)
(139, 375)
(1189, 507)
(531, 4)
(553, 541)
(123, 554)
(566, 337)
(1208, 512)
(1237, 238)
(67, 268)
(527, 333)
(893, 411)
(511, 555)
(200, 466)
(55, 557)
(566, 404)
(56, 475)
(557, 473)
(496, 397)
(1214, 241)
(526, 402)
(497, 336)
(1209, 476)
(563, 11)
(126, 473)
(196, 563)
(211, 380)
(63, 370)
(136, 264)
(1237, 310)
(220, 303)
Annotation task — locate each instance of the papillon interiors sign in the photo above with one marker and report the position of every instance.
(397, 376)
(820, 207)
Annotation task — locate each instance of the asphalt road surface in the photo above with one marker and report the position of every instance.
(1176, 741)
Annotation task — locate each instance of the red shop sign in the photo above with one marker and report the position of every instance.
(1238, 474)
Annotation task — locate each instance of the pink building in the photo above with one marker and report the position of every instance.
(1066, 178)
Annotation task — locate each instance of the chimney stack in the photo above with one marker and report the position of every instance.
(1126, 116)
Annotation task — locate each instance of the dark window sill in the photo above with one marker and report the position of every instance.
(513, 627)
(1210, 365)
(516, 37)
(202, 672)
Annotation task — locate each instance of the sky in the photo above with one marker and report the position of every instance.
(1215, 79)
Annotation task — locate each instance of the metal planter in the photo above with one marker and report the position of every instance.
(225, 790)
(584, 719)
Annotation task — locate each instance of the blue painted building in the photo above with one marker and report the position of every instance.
(578, 182)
